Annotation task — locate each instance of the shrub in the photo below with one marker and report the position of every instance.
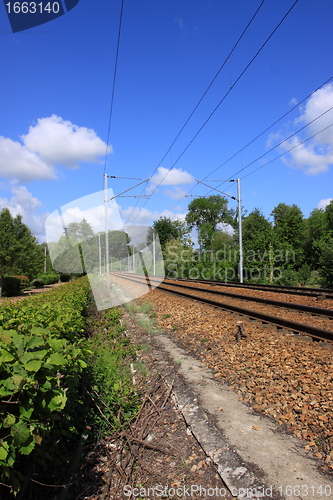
(49, 279)
(24, 280)
(65, 277)
(11, 286)
(37, 283)
(42, 356)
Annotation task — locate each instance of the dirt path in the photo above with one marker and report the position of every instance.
(30, 293)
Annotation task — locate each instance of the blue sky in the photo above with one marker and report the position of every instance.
(56, 85)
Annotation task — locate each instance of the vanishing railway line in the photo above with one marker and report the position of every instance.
(290, 290)
(284, 315)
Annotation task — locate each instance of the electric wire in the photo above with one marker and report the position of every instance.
(271, 161)
(294, 147)
(266, 130)
(114, 83)
(221, 101)
(277, 145)
(263, 155)
(253, 140)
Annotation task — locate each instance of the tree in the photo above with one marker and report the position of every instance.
(167, 230)
(326, 262)
(205, 214)
(290, 229)
(317, 227)
(19, 249)
(329, 217)
(258, 245)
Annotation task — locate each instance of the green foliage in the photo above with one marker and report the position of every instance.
(41, 359)
(11, 286)
(109, 374)
(289, 277)
(329, 217)
(167, 230)
(48, 279)
(19, 251)
(205, 214)
(64, 278)
(290, 229)
(37, 283)
(24, 280)
(326, 262)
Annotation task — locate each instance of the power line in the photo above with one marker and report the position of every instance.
(114, 82)
(265, 154)
(267, 129)
(294, 147)
(227, 59)
(280, 143)
(253, 140)
(222, 100)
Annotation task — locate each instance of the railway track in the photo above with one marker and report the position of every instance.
(297, 327)
(291, 290)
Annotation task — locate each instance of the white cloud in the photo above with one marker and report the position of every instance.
(323, 203)
(137, 215)
(316, 155)
(23, 203)
(50, 142)
(274, 137)
(176, 193)
(91, 208)
(172, 177)
(18, 162)
(307, 157)
(293, 101)
(60, 141)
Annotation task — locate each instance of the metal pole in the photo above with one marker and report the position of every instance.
(154, 258)
(45, 259)
(133, 258)
(106, 229)
(99, 253)
(240, 233)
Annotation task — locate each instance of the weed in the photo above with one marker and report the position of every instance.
(131, 307)
(174, 327)
(166, 316)
(146, 308)
(202, 341)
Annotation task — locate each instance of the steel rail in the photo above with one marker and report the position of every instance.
(318, 333)
(313, 292)
(288, 305)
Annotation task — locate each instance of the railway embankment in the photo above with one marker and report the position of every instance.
(270, 395)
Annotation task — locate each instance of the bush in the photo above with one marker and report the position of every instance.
(289, 277)
(11, 286)
(37, 283)
(65, 277)
(42, 357)
(49, 279)
(23, 279)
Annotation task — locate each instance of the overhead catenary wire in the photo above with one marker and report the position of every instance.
(113, 83)
(263, 155)
(227, 59)
(279, 144)
(221, 101)
(255, 138)
(294, 147)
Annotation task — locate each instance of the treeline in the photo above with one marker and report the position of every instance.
(287, 250)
